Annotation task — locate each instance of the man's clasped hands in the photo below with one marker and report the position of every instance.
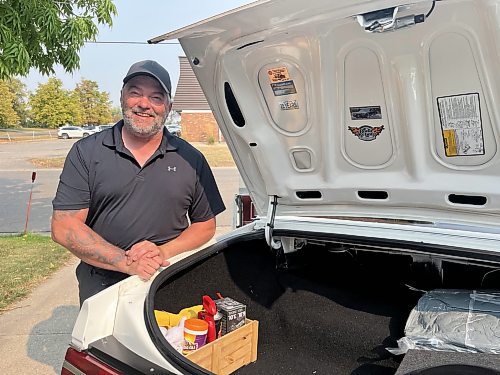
(144, 259)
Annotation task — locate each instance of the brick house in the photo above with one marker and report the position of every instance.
(197, 121)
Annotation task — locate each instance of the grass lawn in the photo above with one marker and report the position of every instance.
(25, 261)
(217, 155)
(26, 134)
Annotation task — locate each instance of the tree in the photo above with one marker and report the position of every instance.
(40, 34)
(20, 106)
(117, 114)
(95, 105)
(52, 106)
(105, 116)
(8, 117)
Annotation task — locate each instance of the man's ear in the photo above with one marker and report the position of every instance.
(168, 106)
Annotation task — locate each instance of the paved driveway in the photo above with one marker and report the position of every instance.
(15, 184)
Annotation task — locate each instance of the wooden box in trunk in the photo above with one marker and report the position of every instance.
(230, 352)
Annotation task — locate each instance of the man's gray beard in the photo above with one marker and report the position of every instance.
(141, 132)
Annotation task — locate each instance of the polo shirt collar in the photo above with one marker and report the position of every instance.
(114, 139)
(169, 142)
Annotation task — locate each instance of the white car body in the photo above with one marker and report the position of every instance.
(70, 131)
(345, 123)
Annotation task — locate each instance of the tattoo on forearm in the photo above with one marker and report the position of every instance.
(85, 243)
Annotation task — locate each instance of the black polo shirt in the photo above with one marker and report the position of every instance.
(128, 204)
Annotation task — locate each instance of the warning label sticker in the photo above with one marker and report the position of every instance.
(278, 74)
(461, 125)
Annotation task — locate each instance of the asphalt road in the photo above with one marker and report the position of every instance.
(15, 184)
(34, 333)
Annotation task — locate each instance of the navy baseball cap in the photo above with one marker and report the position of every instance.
(150, 68)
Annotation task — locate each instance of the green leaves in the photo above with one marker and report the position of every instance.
(41, 33)
(96, 106)
(8, 116)
(53, 106)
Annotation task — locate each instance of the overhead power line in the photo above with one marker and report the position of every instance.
(126, 42)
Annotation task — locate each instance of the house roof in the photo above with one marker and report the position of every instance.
(188, 94)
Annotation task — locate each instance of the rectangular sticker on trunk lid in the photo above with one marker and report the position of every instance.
(461, 125)
(283, 88)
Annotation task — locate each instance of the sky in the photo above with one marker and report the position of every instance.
(136, 21)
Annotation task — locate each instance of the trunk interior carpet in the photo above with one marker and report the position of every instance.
(328, 313)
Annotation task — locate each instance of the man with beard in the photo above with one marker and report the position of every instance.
(133, 196)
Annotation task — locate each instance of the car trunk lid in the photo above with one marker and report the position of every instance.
(369, 109)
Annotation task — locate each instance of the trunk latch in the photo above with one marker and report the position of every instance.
(386, 20)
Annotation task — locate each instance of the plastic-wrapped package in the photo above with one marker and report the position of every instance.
(175, 335)
(454, 320)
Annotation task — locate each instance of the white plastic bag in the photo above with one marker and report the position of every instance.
(175, 335)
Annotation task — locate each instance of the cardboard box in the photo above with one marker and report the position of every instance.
(230, 352)
(233, 314)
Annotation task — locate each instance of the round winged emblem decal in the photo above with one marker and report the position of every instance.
(366, 132)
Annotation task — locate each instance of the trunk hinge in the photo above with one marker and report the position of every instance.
(275, 245)
(271, 213)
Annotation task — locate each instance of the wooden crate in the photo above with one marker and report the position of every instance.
(232, 351)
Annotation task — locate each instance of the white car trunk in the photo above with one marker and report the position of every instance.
(332, 303)
(332, 307)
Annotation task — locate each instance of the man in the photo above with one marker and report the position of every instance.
(131, 197)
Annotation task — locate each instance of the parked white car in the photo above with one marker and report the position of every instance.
(93, 128)
(67, 132)
(368, 136)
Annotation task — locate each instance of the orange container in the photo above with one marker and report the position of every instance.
(195, 334)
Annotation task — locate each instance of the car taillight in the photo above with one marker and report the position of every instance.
(86, 364)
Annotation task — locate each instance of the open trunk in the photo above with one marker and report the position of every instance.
(368, 128)
(328, 308)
